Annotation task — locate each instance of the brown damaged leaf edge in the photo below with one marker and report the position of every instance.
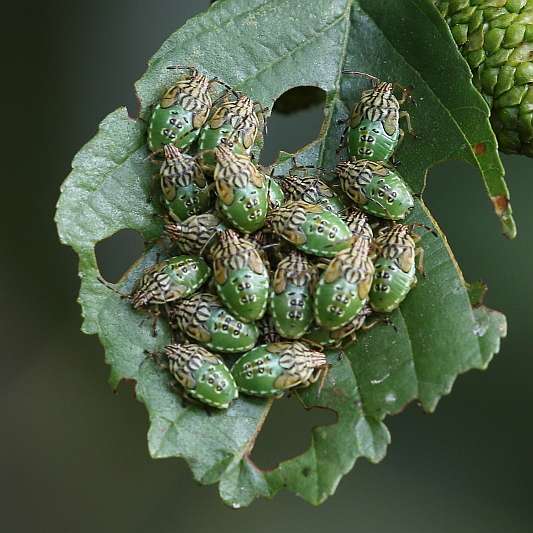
(503, 209)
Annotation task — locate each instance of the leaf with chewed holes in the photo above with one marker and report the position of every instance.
(264, 48)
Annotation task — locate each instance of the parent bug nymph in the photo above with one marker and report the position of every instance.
(202, 375)
(373, 128)
(241, 188)
(376, 188)
(182, 110)
(395, 266)
(185, 191)
(272, 369)
(237, 121)
(166, 281)
(241, 277)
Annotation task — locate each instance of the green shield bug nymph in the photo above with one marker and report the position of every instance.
(267, 330)
(373, 127)
(241, 188)
(241, 277)
(357, 221)
(312, 190)
(181, 112)
(327, 338)
(263, 242)
(375, 188)
(165, 282)
(170, 280)
(183, 184)
(203, 375)
(193, 235)
(311, 228)
(235, 120)
(276, 196)
(269, 370)
(395, 265)
(343, 287)
(203, 318)
(291, 296)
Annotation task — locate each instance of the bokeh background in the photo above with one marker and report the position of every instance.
(74, 455)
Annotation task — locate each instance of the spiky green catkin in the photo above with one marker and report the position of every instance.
(496, 38)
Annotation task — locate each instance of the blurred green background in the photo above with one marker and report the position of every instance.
(74, 454)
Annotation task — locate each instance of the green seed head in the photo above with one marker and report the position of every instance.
(496, 40)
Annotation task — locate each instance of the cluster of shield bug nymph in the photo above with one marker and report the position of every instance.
(271, 269)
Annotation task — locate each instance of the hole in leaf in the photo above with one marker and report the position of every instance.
(299, 98)
(117, 253)
(287, 431)
(296, 120)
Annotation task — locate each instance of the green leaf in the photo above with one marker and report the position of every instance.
(290, 43)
